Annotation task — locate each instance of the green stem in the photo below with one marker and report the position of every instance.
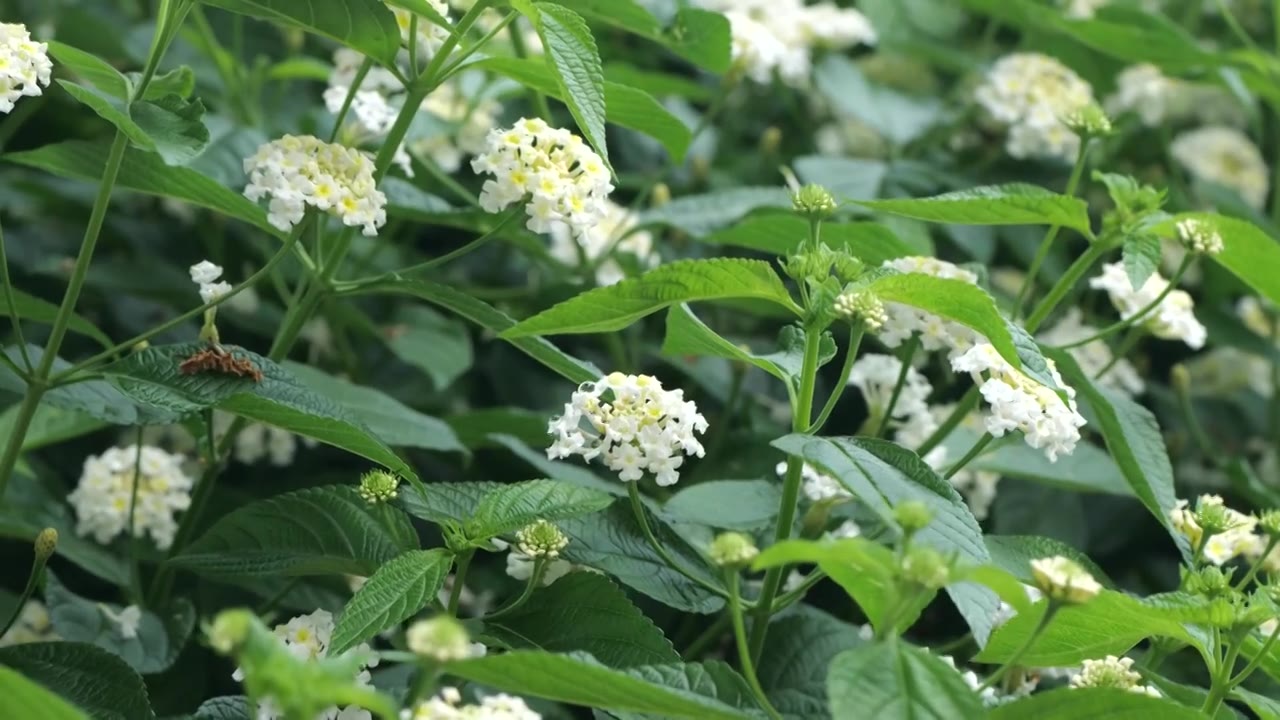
(1042, 253)
(459, 580)
(135, 565)
(709, 635)
(1141, 314)
(969, 457)
(270, 603)
(361, 72)
(994, 677)
(537, 99)
(455, 254)
(792, 597)
(638, 509)
(1068, 280)
(535, 579)
(740, 637)
(1257, 565)
(912, 346)
(440, 176)
(957, 416)
(1221, 682)
(856, 332)
(1130, 340)
(12, 303)
(33, 582)
(800, 422)
(1261, 655)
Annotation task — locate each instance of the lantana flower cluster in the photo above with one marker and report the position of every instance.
(632, 424)
(1227, 157)
(429, 36)
(817, 485)
(1032, 95)
(1235, 538)
(300, 171)
(561, 177)
(469, 118)
(307, 637)
(1112, 672)
(447, 705)
(1172, 319)
(779, 36)
(106, 490)
(600, 245)
(25, 67)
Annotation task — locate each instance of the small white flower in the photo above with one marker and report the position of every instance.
(600, 245)
(102, 498)
(876, 376)
(126, 621)
(296, 172)
(817, 485)
(1224, 156)
(447, 705)
(1172, 319)
(1031, 94)
(779, 36)
(1237, 539)
(632, 424)
(25, 67)
(441, 638)
(1144, 90)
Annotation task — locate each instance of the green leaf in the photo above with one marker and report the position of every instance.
(388, 419)
(1012, 204)
(686, 335)
(1110, 703)
(100, 74)
(1248, 252)
(425, 9)
(36, 309)
(484, 315)
(623, 14)
(445, 503)
(1087, 469)
(393, 594)
(611, 541)
(364, 25)
(1265, 707)
(170, 127)
(572, 56)
(316, 531)
(1109, 624)
(1133, 438)
(846, 178)
(152, 650)
(1141, 256)
(882, 475)
(893, 680)
(584, 611)
(702, 37)
(145, 173)
(436, 345)
(29, 507)
(507, 508)
(26, 699)
(624, 105)
(615, 307)
(698, 215)
(51, 425)
(96, 398)
(781, 234)
(668, 691)
(93, 679)
(797, 652)
(227, 707)
(152, 377)
(728, 504)
(898, 117)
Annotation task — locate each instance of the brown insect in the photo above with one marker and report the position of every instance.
(216, 359)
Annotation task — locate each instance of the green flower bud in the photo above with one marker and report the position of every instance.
(440, 638)
(733, 550)
(770, 140)
(541, 539)
(1213, 517)
(1269, 524)
(378, 486)
(1209, 581)
(862, 304)
(660, 196)
(926, 567)
(1088, 121)
(1222, 612)
(46, 544)
(230, 630)
(913, 516)
(814, 201)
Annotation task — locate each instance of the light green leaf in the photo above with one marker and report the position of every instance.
(797, 652)
(1265, 707)
(448, 502)
(728, 504)
(781, 234)
(882, 475)
(51, 425)
(572, 56)
(1141, 256)
(100, 74)
(1133, 438)
(152, 650)
(170, 127)
(1012, 204)
(846, 178)
(424, 9)
(152, 377)
(484, 315)
(26, 699)
(30, 507)
(686, 335)
(698, 215)
(897, 117)
(702, 37)
(145, 173)
(896, 681)
(32, 308)
(615, 307)
(364, 25)
(584, 611)
(393, 594)
(668, 691)
(85, 675)
(1248, 252)
(1087, 469)
(623, 14)
(388, 419)
(624, 105)
(316, 531)
(436, 345)
(508, 508)
(1111, 703)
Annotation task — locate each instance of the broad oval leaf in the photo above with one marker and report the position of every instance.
(702, 37)
(1247, 251)
(1014, 553)
(1141, 257)
(26, 699)
(85, 675)
(615, 307)
(781, 234)
(896, 681)
(1111, 703)
(797, 652)
(698, 215)
(577, 678)
(32, 308)
(98, 399)
(584, 611)
(169, 127)
(1012, 204)
(316, 531)
(728, 504)
(364, 25)
(572, 55)
(508, 508)
(395, 593)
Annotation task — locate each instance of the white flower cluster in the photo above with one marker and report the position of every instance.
(24, 65)
(307, 637)
(1112, 672)
(259, 441)
(470, 118)
(779, 36)
(447, 705)
(33, 625)
(206, 274)
(817, 485)
(1064, 581)
(876, 376)
(1172, 319)
(374, 105)
(1031, 94)
(1144, 90)
(632, 424)
(1018, 402)
(936, 333)
(106, 489)
(992, 697)
(600, 244)
(1095, 356)
(1227, 157)
(430, 36)
(1236, 539)
(300, 171)
(564, 179)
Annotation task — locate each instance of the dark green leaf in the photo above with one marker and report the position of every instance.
(702, 37)
(686, 335)
(893, 680)
(51, 425)
(393, 594)
(170, 127)
(96, 398)
(846, 178)
(227, 707)
(1013, 204)
(32, 308)
(436, 345)
(572, 55)
(797, 652)
(729, 504)
(698, 215)
(91, 678)
(897, 117)
(1014, 554)
(444, 503)
(508, 508)
(364, 25)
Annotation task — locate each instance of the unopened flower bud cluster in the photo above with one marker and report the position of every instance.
(106, 490)
(732, 550)
(1230, 533)
(1112, 672)
(1172, 319)
(297, 172)
(541, 540)
(865, 305)
(378, 486)
(632, 424)
(1032, 95)
(25, 67)
(1200, 236)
